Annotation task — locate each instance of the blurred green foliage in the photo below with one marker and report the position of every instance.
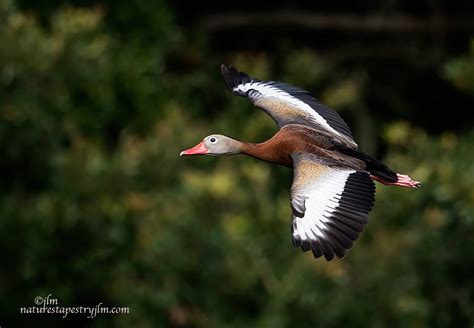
(96, 206)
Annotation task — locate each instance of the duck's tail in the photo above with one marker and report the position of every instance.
(381, 172)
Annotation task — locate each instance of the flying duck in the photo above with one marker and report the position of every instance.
(333, 186)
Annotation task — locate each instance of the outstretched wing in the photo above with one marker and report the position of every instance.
(287, 104)
(330, 205)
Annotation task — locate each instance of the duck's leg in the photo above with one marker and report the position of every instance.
(403, 181)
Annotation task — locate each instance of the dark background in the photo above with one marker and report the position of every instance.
(97, 99)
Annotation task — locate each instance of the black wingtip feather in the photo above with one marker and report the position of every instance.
(328, 251)
(316, 250)
(229, 73)
(234, 78)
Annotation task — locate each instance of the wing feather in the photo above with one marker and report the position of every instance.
(330, 206)
(287, 104)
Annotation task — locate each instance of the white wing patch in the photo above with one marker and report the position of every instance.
(330, 205)
(270, 91)
(322, 198)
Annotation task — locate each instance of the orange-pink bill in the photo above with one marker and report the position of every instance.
(199, 149)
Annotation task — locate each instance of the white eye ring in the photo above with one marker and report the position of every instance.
(212, 140)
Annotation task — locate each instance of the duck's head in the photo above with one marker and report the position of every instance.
(215, 144)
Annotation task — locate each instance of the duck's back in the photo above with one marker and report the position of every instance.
(296, 138)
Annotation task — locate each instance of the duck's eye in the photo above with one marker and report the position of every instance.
(213, 140)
